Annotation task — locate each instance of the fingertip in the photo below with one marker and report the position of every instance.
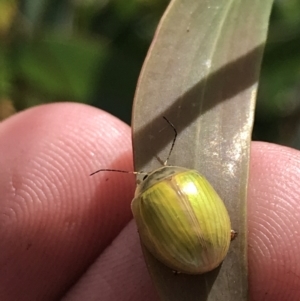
(274, 229)
(50, 203)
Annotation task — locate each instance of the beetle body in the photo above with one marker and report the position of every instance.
(181, 220)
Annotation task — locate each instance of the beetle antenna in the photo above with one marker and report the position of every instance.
(174, 139)
(141, 172)
(118, 170)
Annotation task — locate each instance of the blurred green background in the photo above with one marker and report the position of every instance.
(91, 51)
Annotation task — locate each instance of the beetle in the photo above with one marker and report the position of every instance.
(181, 219)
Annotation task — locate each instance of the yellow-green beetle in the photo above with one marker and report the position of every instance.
(181, 219)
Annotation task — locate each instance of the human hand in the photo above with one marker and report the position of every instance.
(63, 233)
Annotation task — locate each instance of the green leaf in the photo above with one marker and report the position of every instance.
(67, 68)
(201, 72)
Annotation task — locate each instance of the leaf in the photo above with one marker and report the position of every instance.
(65, 67)
(201, 72)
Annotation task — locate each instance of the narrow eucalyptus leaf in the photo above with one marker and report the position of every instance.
(202, 73)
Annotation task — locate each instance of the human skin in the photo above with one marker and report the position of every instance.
(66, 235)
